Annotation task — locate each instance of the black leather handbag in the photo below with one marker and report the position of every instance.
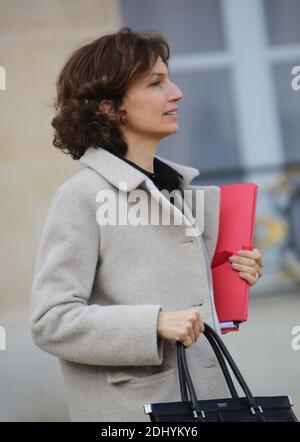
(234, 409)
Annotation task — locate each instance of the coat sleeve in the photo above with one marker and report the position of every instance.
(62, 321)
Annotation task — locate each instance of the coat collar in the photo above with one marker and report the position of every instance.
(116, 171)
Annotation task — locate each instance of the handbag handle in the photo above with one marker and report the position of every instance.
(221, 352)
(221, 360)
(186, 381)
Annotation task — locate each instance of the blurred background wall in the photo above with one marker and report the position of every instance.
(239, 120)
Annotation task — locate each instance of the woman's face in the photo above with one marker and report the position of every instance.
(146, 102)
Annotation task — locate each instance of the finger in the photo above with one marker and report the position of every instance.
(248, 277)
(260, 272)
(192, 335)
(250, 263)
(254, 254)
(202, 327)
(258, 261)
(198, 324)
(247, 269)
(187, 342)
(189, 331)
(196, 330)
(241, 260)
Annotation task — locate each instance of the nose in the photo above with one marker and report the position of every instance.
(175, 93)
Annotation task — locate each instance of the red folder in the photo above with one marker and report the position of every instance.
(236, 232)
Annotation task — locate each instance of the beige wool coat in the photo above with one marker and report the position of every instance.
(98, 289)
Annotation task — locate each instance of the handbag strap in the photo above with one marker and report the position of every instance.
(223, 349)
(183, 387)
(251, 401)
(221, 352)
(185, 373)
(223, 365)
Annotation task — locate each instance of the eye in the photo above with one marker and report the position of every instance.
(155, 83)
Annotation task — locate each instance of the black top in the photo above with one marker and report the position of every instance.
(164, 176)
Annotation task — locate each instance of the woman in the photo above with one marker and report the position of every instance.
(110, 299)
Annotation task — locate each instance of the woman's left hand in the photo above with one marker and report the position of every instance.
(249, 264)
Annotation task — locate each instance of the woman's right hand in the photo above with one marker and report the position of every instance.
(181, 325)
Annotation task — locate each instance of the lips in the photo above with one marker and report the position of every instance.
(175, 109)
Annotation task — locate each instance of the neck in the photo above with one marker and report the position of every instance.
(142, 153)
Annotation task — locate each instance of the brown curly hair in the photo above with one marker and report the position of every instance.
(101, 70)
